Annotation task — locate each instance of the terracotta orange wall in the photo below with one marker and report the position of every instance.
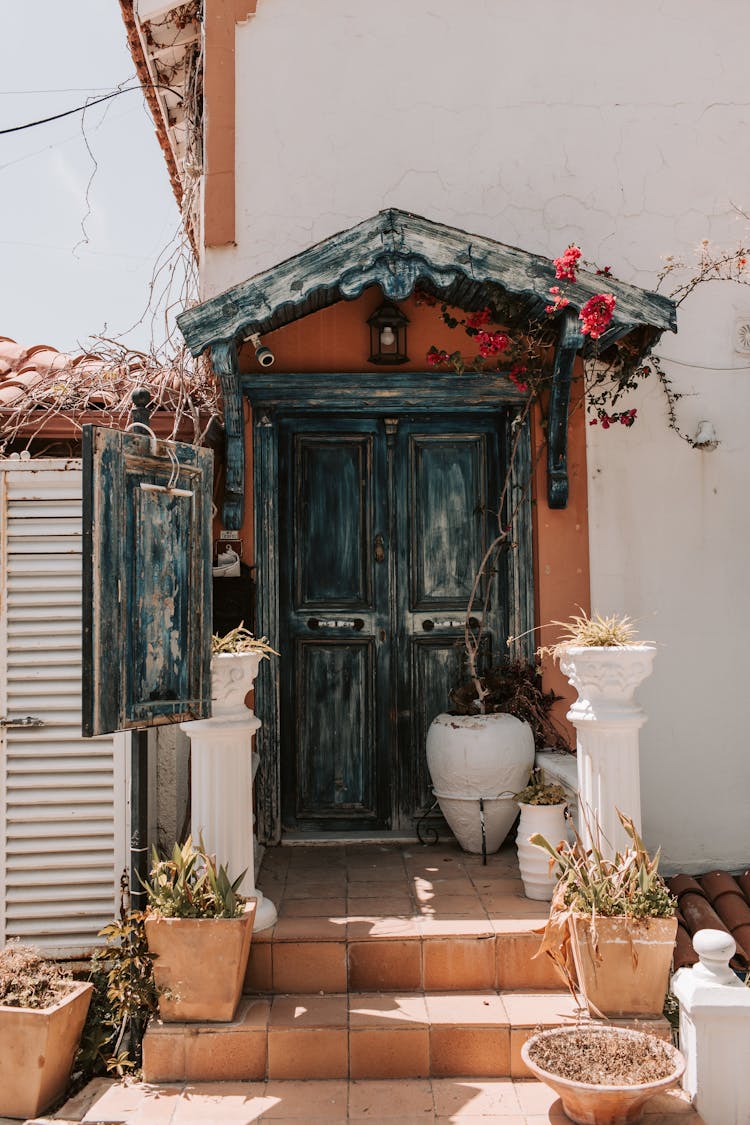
(337, 339)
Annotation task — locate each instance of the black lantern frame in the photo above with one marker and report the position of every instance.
(388, 335)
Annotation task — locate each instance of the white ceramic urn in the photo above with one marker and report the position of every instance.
(232, 676)
(479, 756)
(539, 878)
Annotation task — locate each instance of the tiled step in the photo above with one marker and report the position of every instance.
(476, 1033)
(305, 955)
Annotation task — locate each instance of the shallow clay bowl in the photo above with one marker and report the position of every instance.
(590, 1104)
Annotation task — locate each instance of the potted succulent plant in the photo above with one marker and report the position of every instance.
(42, 1013)
(481, 751)
(603, 1075)
(612, 925)
(543, 808)
(198, 930)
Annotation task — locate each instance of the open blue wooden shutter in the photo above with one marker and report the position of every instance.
(146, 581)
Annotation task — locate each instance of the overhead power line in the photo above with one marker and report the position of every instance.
(81, 108)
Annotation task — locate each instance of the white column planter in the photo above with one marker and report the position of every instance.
(607, 721)
(533, 863)
(473, 757)
(222, 774)
(715, 1031)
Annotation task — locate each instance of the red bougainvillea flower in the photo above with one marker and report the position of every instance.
(627, 418)
(478, 319)
(558, 301)
(436, 356)
(596, 314)
(492, 343)
(515, 373)
(565, 265)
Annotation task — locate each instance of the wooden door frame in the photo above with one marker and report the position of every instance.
(273, 396)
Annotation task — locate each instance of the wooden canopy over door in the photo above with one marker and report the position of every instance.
(369, 527)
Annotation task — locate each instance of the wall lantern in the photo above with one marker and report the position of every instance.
(388, 335)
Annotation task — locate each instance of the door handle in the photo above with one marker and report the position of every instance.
(379, 549)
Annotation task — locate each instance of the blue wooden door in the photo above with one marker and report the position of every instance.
(383, 523)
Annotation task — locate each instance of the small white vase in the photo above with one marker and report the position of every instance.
(533, 862)
(232, 677)
(479, 756)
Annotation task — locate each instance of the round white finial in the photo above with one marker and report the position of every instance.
(715, 949)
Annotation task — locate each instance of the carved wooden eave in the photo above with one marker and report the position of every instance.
(398, 251)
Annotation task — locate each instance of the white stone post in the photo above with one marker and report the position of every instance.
(607, 721)
(222, 775)
(715, 1031)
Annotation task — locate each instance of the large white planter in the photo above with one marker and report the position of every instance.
(533, 863)
(477, 763)
(607, 720)
(222, 774)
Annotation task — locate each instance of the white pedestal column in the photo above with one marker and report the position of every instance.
(607, 721)
(222, 775)
(715, 1031)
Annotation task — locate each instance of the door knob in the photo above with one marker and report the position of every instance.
(379, 549)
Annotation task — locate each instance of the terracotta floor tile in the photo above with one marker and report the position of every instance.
(315, 929)
(323, 1052)
(380, 1100)
(259, 975)
(375, 965)
(313, 907)
(304, 889)
(294, 1012)
(163, 1055)
(387, 904)
(458, 964)
(518, 967)
(545, 1009)
(233, 1103)
(466, 1051)
(221, 1056)
(389, 1052)
(382, 929)
(475, 1009)
(536, 1098)
(309, 966)
(120, 1102)
(386, 1010)
(307, 1100)
(455, 928)
(456, 1099)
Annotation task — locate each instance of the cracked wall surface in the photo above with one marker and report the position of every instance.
(535, 124)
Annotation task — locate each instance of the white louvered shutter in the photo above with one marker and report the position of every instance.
(63, 799)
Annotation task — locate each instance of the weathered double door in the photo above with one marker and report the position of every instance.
(383, 523)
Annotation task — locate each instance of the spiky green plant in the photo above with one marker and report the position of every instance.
(615, 631)
(190, 885)
(629, 884)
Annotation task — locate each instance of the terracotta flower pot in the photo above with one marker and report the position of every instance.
(37, 1048)
(624, 969)
(199, 964)
(588, 1104)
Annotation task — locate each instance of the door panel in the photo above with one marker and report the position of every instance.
(333, 623)
(332, 521)
(449, 471)
(447, 483)
(336, 683)
(383, 525)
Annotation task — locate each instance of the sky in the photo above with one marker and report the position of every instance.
(61, 284)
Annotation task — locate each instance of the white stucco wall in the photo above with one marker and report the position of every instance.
(623, 128)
